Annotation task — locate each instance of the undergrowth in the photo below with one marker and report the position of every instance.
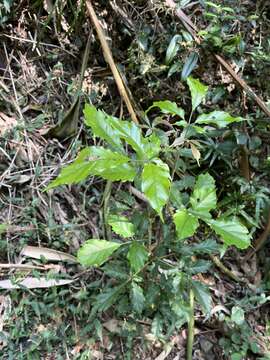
(159, 215)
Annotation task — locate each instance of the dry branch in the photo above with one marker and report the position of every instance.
(109, 58)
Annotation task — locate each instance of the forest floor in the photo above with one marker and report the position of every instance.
(41, 55)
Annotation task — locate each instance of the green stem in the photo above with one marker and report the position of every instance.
(150, 230)
(190, 117)
(105, 202)
(190, 325)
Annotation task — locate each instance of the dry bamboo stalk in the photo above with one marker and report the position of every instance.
(109, 58)
(22, 267)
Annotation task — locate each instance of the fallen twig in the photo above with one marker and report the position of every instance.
(224, 269)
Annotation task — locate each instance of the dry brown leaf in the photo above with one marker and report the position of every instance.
(77, 349)
(97, 354)
(178, 141)
(167, 349)
(6, 123)
(49, 254)
(33, 283)
(196, 153)
(19, 179)
(112, 326)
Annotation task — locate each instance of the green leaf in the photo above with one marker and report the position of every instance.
(219, 118)
(199, 266)
(137, 298)
(198, 91)
(231, 231)
(95, 252)
(185, 223)
(202, 295)
(132, 134)
(254, 347)
(189, 65)
(156, 182)
(3, 228)
(137, 256)
(186, 182)
(238, 315)
(121, 226)
(112, 130)
(175, 195)
(96, 160)
(7, 4)
(111, 165)
(176, 67)
(115, 269)
(152, 146)
(237, 356)
(172, 49)
(203, 198)
(208, 246)
(168, 107)
(107, 298)
(157, 326)
(101, 126)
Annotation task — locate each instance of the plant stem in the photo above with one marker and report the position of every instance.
(105, 201)
(224, 269)
(190, 325)
(244, 162)
(260, 241)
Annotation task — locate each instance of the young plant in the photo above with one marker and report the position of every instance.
(130, 156)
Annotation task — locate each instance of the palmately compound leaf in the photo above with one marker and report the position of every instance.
(95, 160)
(168, 107)
(121, 226)
(198, 91)
(202, 295)
(204, 198)
(137, 298)
(156, 181)
(231, 231)
(101, 126)
(95, 252)
(137, 256)
(185, 223)
(219, 118)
